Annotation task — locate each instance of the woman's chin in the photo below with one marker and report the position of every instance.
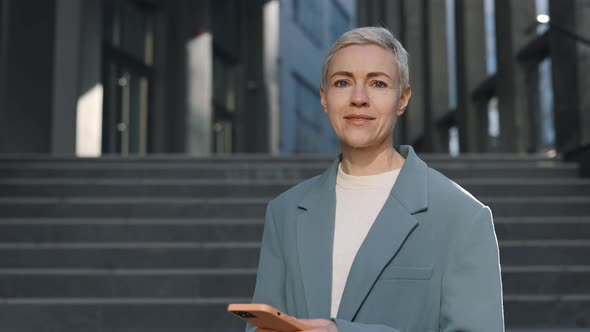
(363, 142)
(356, 143)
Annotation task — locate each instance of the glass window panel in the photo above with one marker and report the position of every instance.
(490, 28)
(310, 137)
(308, 15)
(546, 103)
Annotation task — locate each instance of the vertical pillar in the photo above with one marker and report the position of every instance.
(471, 70)
(513, 19)
(189, 82)
(65, 76)
(437, 77)
(395, 22)
(370, 13)
(393, 17)
(252, 122)
(414, 37)
(159, 141)
(582, 12)
(3, 51)
(571, 63)
(25, 112)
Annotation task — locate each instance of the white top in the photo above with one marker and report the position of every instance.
(359, 200)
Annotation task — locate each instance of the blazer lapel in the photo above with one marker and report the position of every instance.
(393, 225)
(315, 238)
(383, 241)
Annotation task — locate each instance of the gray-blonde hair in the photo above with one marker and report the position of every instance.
(377, 36)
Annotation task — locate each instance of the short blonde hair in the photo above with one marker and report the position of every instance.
(377, 36)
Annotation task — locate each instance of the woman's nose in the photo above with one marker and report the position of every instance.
(359, 96)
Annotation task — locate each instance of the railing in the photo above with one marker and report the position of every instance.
(536, 51)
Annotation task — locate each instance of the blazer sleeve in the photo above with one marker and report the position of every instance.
(270, 279)
(471, 285)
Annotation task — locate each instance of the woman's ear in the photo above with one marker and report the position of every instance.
(404, 99)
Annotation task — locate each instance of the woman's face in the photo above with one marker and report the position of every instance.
(362, 96)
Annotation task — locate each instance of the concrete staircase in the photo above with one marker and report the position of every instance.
(164, 243)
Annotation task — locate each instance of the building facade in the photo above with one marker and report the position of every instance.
(487, 73)
(129, 77)
(132, 77)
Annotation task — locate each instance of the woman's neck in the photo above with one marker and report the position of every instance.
(367, 161)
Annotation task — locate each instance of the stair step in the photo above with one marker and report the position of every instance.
(545, 280)
(131, 222)
(124, 232)
(554, 311)
(177, 207)
(553, 206)
(545, 252)
(60, 187)
(164, 283)
(252, 171)
(40, 230)
(26, 286)
(134, 207)
(538, 228)
(252, 158)
(121, 315)
(201, 315)
(235, 255)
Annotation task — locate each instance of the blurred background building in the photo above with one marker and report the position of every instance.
(131, 77)
(136, 77)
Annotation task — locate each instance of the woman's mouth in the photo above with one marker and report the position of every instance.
(358, 119)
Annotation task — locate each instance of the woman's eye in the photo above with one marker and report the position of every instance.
(379, 84)
(341, 84)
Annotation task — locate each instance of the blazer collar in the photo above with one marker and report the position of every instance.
(315, 236)
(411, 186)
(410, 189)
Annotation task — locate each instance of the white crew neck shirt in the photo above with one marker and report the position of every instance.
(359, 200)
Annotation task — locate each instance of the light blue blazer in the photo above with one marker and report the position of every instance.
(429, 263)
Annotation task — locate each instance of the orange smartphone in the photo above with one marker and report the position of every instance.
(266, 317)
